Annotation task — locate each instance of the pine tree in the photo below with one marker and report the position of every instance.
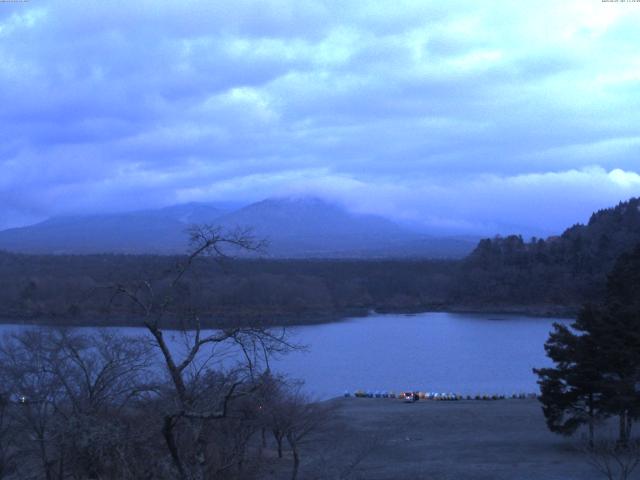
(571, 392)
(618, 337)
(597, 359)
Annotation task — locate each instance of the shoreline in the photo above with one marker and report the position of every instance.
(305, 319)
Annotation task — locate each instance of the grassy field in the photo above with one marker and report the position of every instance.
(474, 440)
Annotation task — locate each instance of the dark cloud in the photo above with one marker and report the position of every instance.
(459, 117)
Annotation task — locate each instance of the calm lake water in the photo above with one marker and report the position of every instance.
(437, 352)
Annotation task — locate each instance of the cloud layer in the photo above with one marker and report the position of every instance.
(478, 116)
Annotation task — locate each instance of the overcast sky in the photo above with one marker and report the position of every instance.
(478, 116)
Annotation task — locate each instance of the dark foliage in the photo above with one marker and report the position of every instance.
(70, 289)
(567, 270)
(597, 361)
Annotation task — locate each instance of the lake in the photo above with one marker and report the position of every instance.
(437, 352)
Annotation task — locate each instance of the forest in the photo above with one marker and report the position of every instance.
(552, 276)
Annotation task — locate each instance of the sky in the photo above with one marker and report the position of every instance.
(467, 116)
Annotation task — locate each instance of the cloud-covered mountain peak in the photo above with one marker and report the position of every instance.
(293, 226)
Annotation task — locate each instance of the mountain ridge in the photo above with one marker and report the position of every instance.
(296, 227)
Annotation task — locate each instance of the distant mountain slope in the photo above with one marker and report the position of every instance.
(310, 227)
(189, 213)
(565, 270)
(147, 231)
(294, 227)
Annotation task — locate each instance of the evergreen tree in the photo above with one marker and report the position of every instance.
(618, 337)
(597, 359)
(571, 392)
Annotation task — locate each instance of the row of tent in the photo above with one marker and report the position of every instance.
(435, 396)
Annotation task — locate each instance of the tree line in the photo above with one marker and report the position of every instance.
(566, 270)
(70, 290)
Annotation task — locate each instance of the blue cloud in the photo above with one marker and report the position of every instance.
(123, 105)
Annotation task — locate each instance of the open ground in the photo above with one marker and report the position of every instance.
(467, 439)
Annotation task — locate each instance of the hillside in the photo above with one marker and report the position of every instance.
(294, 228)
(565, 270)
(144, 232)
(308, 227)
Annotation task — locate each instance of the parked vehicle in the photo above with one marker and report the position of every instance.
(410, 397)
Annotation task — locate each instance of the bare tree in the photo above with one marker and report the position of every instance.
(274, 415)
(7, 450)
(194, 402)
(99, 405)
(305, 418)
(36, 391)
(289, 414)
(613, 460)
(68, 400)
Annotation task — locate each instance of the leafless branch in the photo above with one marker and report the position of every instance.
(613, 461)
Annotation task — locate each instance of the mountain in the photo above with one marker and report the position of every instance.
(189, 213)
(294, 228)
(310, 227)
(145, 231)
